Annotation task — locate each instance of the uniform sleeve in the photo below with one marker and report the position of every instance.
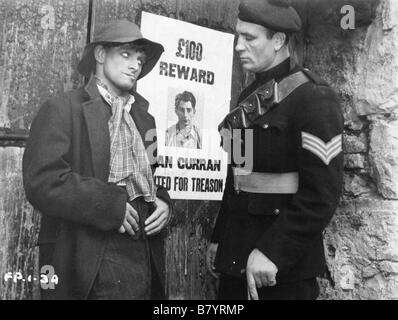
(222, 214)
(50, 184)
(319, 128)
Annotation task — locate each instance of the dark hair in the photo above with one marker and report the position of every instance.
(270, 33)
(187, 97)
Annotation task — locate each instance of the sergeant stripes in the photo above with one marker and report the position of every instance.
(325, 151)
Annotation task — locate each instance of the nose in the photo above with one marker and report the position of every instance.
(239, 47)
(134, 64)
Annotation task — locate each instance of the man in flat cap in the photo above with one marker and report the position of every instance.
(267, 242)
(87, 170)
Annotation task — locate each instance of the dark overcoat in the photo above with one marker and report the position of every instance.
(65, 173)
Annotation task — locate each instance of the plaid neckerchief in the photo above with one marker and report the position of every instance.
(129, 164)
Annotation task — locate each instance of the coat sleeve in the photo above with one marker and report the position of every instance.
(163, 194)
(161, 191)
(319, 128)
(223, 212)
(50, 184)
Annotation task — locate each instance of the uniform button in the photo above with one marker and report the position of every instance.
(265, 126)
(276, 211)
(233, 262)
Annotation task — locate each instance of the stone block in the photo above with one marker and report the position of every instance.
(361, 245)
(356, 186)
(354, 161)
(354, 144)
(383, 157)
(376, 78)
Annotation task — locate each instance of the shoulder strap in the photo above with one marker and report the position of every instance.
(286, 86)
(314, 77)
(273, 93)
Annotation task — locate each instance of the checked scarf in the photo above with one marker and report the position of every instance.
(129, 165)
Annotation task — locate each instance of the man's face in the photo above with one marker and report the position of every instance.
(256, 52)
(121, 67)
(185, 113)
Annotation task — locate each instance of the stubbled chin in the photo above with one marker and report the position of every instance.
(128, 85)
(247, 66)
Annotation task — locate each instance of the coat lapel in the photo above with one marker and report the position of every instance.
(96, 116)
(143, 120)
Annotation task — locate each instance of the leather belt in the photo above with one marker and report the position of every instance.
(265, 182)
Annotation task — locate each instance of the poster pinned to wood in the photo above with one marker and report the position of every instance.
(189, 92)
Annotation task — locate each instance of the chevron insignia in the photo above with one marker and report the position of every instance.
(325, 151)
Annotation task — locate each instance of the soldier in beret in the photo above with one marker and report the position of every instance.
(267, 242)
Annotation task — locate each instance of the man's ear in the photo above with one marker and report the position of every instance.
(279, 40)
(99, 53)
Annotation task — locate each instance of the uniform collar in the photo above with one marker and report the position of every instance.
(277, 72)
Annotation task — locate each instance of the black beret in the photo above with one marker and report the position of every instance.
(277, 15)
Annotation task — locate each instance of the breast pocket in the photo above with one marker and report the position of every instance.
(273, 146)
(275, 134)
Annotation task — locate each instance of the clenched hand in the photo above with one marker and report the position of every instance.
(158, 219)
(130, 222)
(260, 272)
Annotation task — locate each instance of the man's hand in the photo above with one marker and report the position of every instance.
(210, 256)
(260, 272)
(130, 222)
(158, 219)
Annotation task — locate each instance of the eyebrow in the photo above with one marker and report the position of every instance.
(245, 34)
(143, 55)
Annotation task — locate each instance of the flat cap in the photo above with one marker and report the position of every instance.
(277, 15)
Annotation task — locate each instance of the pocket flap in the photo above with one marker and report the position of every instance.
(267, 204)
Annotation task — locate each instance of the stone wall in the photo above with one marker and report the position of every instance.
(361, 241)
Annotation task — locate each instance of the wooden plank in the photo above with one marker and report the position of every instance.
(18, 229)
(188, 239)
(192, 233)
(40, 45)
(190, 229)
